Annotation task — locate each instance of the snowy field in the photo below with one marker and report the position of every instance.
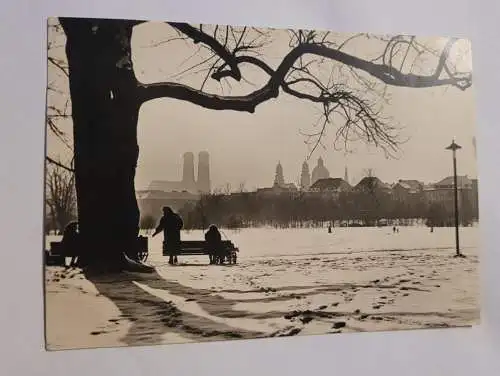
(262, 242)
(297, 242)
(286, 282)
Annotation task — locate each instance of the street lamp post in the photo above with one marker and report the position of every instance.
(454, 147)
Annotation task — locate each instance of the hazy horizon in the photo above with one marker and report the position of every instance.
(245, 148)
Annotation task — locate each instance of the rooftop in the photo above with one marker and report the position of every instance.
(448, 181)
(411, 185)
(372, 182)
(329, 183)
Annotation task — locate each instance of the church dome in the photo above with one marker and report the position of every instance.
(320, 171)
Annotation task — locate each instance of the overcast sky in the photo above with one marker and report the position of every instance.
(246, 147)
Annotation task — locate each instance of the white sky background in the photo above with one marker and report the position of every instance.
(246, 147)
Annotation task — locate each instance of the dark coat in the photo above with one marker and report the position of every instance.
(70, 235)
(171, 225)
(213, 238)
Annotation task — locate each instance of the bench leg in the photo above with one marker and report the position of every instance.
(74, 261)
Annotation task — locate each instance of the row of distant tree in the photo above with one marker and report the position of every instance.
(352, 209)
(60, 198)
(253, 210)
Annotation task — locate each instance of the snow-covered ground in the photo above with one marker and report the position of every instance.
(286, 282)
(287, 242)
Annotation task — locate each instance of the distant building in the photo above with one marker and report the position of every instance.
(320, 171)
(475, 198)
(177, 193)
(330, 185)
(203, 183)
(188, 182)
(151, 202)
(305, 177)
(279, 180)
(463, 182)
(279, 185)
(404, 189)
(475, 189)
(372, 184)
(289, 188)
(443, 192)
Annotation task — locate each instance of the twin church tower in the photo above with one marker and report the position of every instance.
(202, 184)
(188, 182)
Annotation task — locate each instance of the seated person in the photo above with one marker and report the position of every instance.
(213, 241)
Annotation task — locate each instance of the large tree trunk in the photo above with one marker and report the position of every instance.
(105, 110)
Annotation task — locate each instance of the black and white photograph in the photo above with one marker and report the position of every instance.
(215, 183)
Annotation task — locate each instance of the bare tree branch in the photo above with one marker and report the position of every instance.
(59, 164)
(58, 64)
(60, 194)
(223, 51)
(384, 73)
(199, 36)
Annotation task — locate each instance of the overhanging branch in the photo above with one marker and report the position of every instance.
(58, 64)
(198, 36)
(248, 103)
(245, 103)
(59, 164)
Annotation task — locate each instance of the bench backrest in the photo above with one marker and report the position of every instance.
(57, 248)
(202, 244)
(199, 247)
(187, 246)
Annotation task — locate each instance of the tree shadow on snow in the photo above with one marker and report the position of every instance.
(152, 317)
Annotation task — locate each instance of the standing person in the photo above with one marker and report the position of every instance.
(171, 225)
(70, 241)
(213, 241)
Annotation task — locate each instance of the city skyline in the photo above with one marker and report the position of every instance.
(427, 166)
(352, 179)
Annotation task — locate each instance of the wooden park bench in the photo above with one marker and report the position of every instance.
(57, 253)
(198, 247)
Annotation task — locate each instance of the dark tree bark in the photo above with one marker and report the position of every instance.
(105, 112)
